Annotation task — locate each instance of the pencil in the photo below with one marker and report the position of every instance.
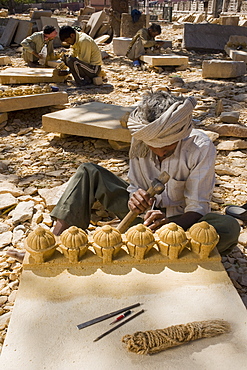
(118, 326)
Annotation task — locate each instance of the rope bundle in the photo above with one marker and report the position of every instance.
(153, 341)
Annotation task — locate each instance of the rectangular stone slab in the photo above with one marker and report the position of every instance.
(37, 14)
(43, 331)
(209, 36)
(95, 22)
(236, 55)
(165, 60)
(91, 120)
(29, 75)
(9, 32)
(33, 101)
(24, 29)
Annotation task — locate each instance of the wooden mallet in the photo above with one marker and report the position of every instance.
(157, 186)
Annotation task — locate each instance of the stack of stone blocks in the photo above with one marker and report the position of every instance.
(107, 245)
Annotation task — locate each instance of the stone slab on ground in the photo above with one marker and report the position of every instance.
(4, 60)
(215, 68)
(37, 14)
(209, 36)
(50, 304)
(121, 45)
(91, 120)
(95, 22)
(29, 75)
(33, 101)
(9, 32)
(228, 20)
(236, 55)
(165, 60)
(24, 29)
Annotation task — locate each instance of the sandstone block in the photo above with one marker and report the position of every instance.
(165, 60)
(37, 14)
(95, 22)
(208, 36)
(29, 76)
(222, 69)
(120, 45)
(32, 101)
(4, 60)
(228, 21)
(9, 32)
(237, 55)
(24, 29)
(97, 81)
(91, 119)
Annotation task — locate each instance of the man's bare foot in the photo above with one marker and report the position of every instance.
(59, 227)
(19, 256)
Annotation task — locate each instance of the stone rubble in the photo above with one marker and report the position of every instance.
(35, 166)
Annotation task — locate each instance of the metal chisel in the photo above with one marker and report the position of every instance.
(106, 316)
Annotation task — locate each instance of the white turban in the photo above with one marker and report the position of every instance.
(173, 125)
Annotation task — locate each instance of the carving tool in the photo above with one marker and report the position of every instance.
(106, 316)
(157, 187)
(127, 313)
(118, 326)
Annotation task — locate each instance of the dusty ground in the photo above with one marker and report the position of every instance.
(33, 159)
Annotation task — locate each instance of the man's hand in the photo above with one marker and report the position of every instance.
(154, 219)
(140, 201)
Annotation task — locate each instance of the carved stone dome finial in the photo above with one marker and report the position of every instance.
(140, 240)
(203, 238)
(107, 242)
(172, 240)
(74, 243)
(41, 244)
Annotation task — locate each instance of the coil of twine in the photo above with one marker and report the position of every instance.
(154, 341)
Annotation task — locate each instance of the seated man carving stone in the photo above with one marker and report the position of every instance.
(163, 139)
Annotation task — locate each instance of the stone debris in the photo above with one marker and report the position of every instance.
(35, 166)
